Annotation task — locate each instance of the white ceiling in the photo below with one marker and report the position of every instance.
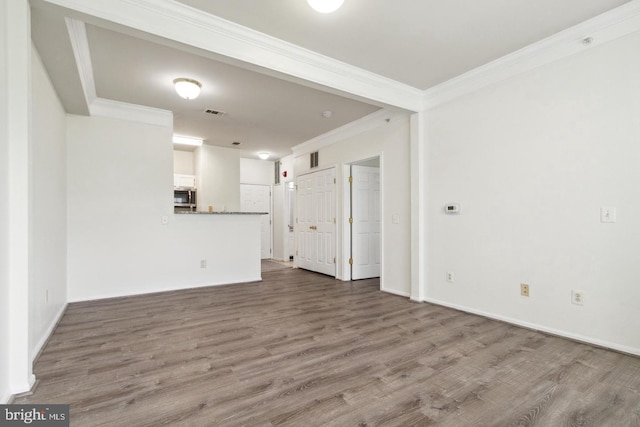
(420, 43)
(417, 42)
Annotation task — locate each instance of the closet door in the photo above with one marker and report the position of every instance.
(316, 227)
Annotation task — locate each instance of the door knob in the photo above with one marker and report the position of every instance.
(313, 227)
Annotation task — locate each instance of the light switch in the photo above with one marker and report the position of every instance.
(607, 214)
(395, 219)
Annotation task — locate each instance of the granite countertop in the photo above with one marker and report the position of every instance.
(219, 213)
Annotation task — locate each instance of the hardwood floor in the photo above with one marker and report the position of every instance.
(301, 349)
(270, 265)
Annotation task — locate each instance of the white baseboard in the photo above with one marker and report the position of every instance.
(536, 327)
(45, 337)
(248, 279)
(395, 292)
(9, 398)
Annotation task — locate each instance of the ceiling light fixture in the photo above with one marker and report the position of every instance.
(187, 88)
(187, 140)
(263, 156)
(325, 6)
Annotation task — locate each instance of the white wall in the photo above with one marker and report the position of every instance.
(16, 371)
(183, 162)
(217, 171)
(260, 172)
(48, 263)
(391, 142)
(4, 214)
(287, 164)
(119, 186)
(531, 161)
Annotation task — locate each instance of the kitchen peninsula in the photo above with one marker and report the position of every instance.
(223, 247)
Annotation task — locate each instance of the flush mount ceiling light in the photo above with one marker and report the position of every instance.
(263, 156)
(187, 88)
(325, 6)
(187, 140)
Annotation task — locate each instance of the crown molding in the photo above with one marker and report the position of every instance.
(184, 24)
(357, 127)
(101, 107)
(80, 46)
(603, 28)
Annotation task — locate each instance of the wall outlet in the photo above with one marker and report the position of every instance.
(577, 297)
(164, 219)
(203, 263)
(450, 277)
(524, 289)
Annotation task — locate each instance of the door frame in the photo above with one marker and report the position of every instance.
(335, 212)
(346, 213)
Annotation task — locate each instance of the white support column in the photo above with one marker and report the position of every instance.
(419, 255)
(18, 93)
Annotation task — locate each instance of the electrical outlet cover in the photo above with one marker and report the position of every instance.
(577, 297)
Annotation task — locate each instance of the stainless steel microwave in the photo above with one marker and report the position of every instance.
(184, 199)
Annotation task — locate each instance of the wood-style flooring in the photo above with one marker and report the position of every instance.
(301, 349)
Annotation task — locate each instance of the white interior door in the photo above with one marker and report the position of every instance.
(366, 228)
(316, 227)
(257, 198)
(306, 220)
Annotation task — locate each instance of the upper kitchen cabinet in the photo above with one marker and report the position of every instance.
(184, 181)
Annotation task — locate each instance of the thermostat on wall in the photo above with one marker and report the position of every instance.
(452, 208)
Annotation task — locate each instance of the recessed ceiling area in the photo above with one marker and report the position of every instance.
(263, 113)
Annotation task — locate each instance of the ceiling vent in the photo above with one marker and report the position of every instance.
(214, 112)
